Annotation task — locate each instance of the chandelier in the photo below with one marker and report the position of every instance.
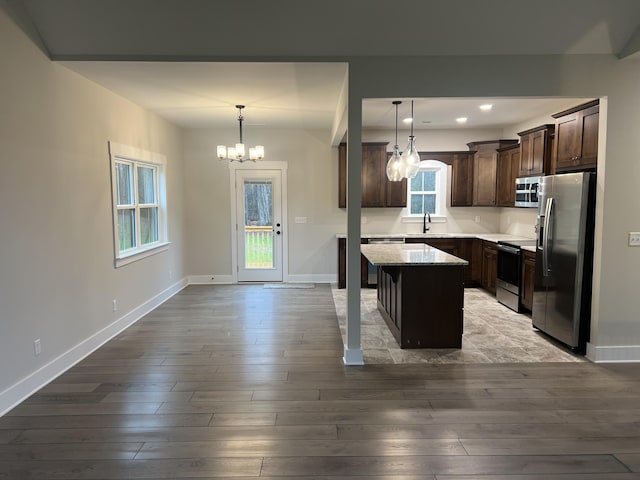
(238, 152)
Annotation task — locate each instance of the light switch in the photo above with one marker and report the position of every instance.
(634, 239)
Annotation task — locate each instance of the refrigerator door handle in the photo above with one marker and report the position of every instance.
(545, 237)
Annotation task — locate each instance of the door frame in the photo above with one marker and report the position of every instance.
(259, 165)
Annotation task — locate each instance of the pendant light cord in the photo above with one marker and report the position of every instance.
(412, 119)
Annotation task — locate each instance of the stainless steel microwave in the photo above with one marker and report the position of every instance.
(527, 191)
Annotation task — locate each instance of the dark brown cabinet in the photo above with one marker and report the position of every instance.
(342, 265)
(508, 168)
(536, 151)
(462, 179)
(377, 190)
(469, 249)
(576, 139)
(461, 248)
(489, 266)
(485, 167)
(528, 279)
(422, 305)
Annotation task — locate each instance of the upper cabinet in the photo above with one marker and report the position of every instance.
(377, 190)
(485, 167)
(576, 142)
(461, 179)
(536, 151)
(508, 168)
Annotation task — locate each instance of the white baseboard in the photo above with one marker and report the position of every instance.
(211, 279)
(18, 392)
(228, 279)
(614, 354)
(311, 278)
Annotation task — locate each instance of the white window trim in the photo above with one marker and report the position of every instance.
(126, 153)
(442, 189)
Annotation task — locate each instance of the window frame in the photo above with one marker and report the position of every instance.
(125, 155)
(441, 193)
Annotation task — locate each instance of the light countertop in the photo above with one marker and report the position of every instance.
(529, 248)
(408, 254)
(491, 237)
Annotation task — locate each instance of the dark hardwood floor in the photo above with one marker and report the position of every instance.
(246, 382)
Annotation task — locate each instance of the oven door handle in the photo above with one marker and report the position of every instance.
(508, 249)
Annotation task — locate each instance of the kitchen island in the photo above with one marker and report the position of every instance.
(420, 293)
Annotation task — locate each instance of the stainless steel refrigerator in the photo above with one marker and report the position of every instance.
(564, 257)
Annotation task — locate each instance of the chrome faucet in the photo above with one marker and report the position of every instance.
(424, 222)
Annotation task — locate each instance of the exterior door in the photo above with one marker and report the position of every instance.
(259, 225)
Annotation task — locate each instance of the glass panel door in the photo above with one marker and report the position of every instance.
(259, 225)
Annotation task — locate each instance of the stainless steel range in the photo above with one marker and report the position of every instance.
(509, 272)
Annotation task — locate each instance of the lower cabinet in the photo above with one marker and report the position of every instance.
(422, 305)
(528, 279)
(489, 266)
(342, 265)
(469, 249)
(458, 247)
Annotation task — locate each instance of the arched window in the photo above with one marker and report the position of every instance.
(427, 191)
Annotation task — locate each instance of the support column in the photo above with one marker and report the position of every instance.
(353, 348)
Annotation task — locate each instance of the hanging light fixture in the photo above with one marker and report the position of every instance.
(238, 152)
(395, 166)
(411, 157)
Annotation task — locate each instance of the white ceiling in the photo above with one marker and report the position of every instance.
(178, 58)
(203, 94)
(287, 95)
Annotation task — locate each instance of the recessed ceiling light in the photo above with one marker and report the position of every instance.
(407, 120)
(461, 119)
(486, 107)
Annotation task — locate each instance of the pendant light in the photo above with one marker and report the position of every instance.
(411, 157)
(238, 152)
(395, 165)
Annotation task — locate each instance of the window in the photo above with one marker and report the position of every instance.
(139, 210)
(427, 190)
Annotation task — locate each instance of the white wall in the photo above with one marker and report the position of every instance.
(312, 193)
(57, 275)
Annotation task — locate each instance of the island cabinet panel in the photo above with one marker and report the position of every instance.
(536, 151)
(377, 190)
(422, 306)
(342, 265)
(576, 139)
(528, 279)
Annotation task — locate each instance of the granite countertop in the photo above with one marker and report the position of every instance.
(529, 248)
(491, 237)
(408, 254)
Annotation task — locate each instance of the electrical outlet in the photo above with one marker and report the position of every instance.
(363, 219)
(634, 239)
(477, 219)
(170, 274)
(37, 347)
(115, 305)
(301, 219)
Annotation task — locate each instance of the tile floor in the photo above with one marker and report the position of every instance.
(492, 334)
